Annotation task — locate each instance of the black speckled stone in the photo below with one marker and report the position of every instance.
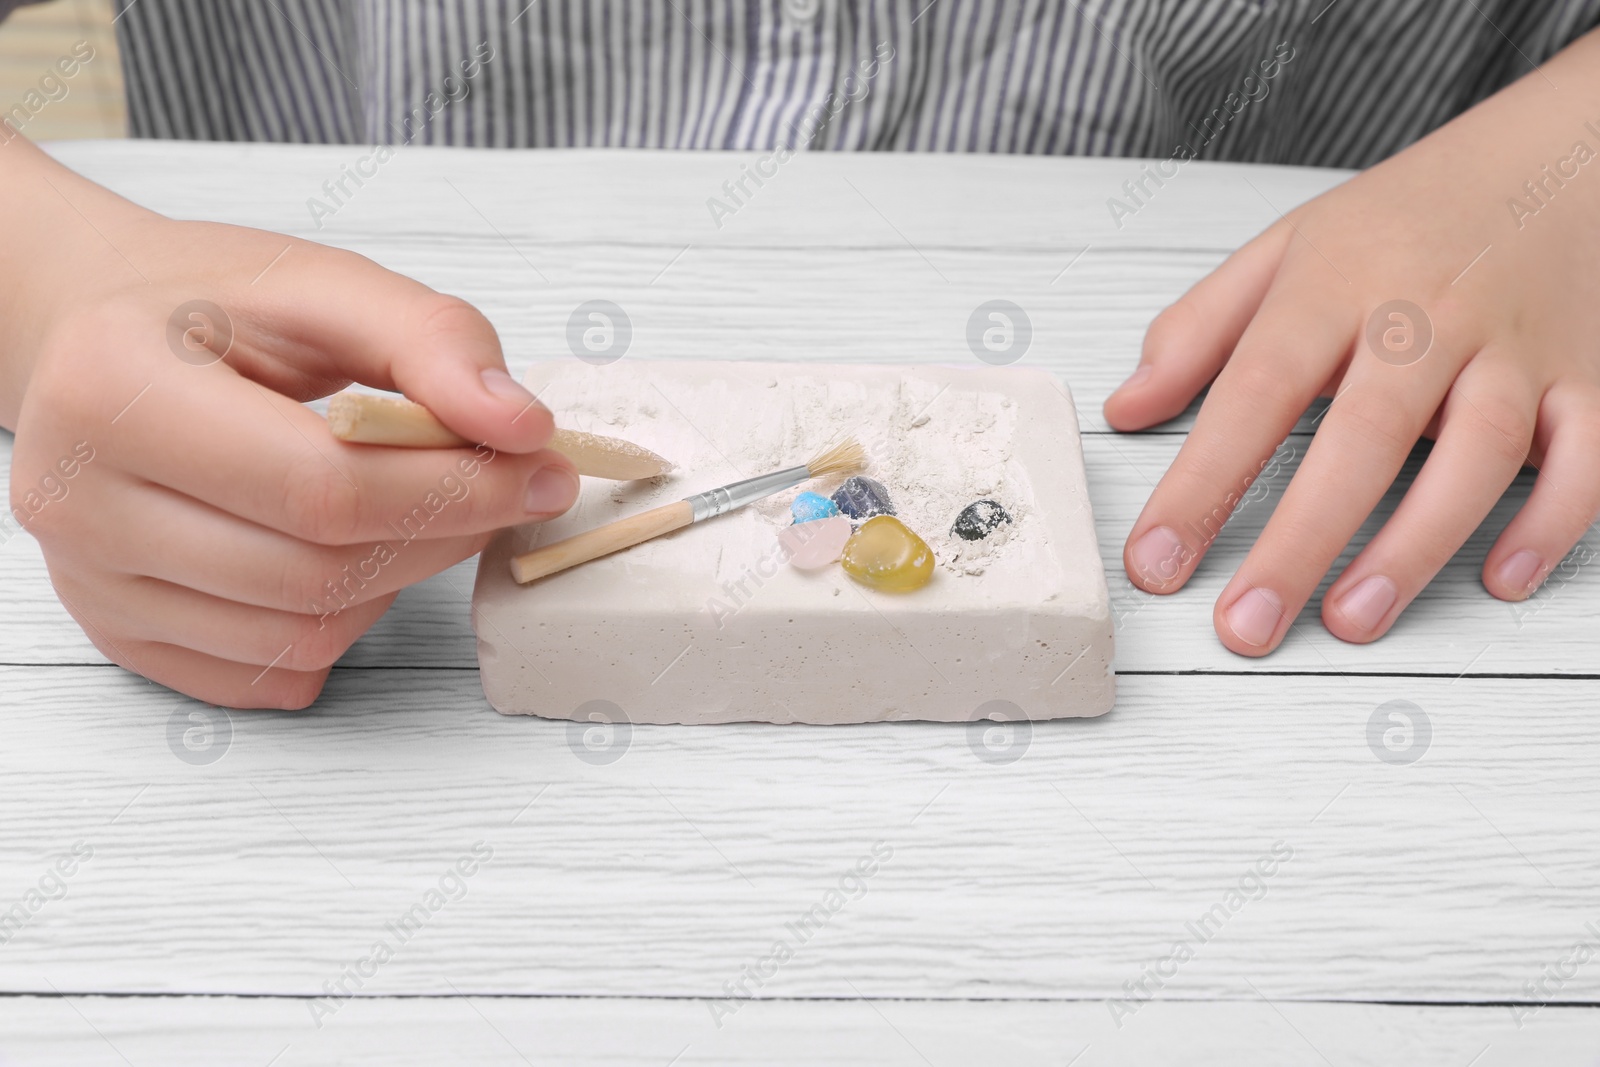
(979, 519)
(861, 498)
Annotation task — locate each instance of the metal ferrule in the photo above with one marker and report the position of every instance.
(737, 494)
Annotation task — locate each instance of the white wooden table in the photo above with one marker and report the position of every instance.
(1422, 903)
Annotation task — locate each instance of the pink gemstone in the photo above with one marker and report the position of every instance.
(815, 544)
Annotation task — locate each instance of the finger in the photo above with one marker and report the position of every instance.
(1280, 365)
(150, 609)
(195, 674)
(151, 531)
(1190, 341)
(265, 458)
(1485, 431)
(1564, 502)
(219, 681)
(1364, 439)
(337, 316)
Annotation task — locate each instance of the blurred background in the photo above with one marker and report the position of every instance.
(33, 38)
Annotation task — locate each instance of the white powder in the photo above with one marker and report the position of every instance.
(935, 449)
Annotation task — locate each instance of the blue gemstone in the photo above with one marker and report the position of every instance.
(808, 507)
(861, 498)
(979, 519)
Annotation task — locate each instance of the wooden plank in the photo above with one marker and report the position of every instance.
(597, 197)
(1454, 627)
(1068, 873)
(204, 1031)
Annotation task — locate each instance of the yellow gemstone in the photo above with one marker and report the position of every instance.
(886, 555)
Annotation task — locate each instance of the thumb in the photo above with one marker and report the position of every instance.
(347, 319)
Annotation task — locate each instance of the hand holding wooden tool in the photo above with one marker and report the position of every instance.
(361, 418)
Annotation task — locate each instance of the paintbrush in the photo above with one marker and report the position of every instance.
(391, 420)
(844, 458)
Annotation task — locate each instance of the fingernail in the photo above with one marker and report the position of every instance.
(551, 491)
(1158, 555)
(1138, 377)
(1520, 571)
(506, 387)
(1254, 617)
(1368, 602)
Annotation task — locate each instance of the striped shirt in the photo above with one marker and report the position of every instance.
(1345, 83)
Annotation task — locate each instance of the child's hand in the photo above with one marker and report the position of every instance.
(1512, 375)
(202, 526)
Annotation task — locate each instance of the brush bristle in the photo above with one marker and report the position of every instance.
(846, 457)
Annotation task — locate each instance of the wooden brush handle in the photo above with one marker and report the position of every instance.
(601, 541)
(391, 420)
